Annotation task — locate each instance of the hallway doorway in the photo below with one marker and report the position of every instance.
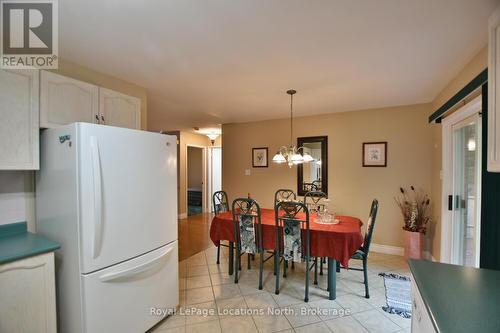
(195, 180)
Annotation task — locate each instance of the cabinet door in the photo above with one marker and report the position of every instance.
(119, 110)
(494, 93)
(27, 291)
(64, 100)
(19, 130)
(420, 319)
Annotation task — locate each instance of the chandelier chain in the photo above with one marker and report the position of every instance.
(291, 120)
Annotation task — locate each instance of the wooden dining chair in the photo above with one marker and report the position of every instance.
(362, 253)
(289, 216)
(246, 216)
(284, 195)
(220, 205)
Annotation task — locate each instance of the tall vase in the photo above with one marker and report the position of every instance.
(414, 242)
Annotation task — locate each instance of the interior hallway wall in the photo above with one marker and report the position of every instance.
(186, 139)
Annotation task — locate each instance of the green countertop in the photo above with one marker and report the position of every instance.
(459, 299)
(17, 243)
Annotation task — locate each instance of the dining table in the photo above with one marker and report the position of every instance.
(335, 241)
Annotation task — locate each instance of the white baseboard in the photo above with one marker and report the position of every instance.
(387, 249)
(398, 251)
(183, 216)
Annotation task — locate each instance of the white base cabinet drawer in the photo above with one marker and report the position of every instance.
(120, 298)
(27, 294)
(420, 320)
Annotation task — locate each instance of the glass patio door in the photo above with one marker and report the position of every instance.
(464, 203)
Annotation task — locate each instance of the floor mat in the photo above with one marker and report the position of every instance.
(397, 294)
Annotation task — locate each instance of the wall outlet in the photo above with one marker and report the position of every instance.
(247, 172)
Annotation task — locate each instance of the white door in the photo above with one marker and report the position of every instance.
(128, 193)
(19, 130)
(122, 298)
(462, 185)
(64, 100)
(119, 110)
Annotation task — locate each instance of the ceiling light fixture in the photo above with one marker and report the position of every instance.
(291, 154)
(212, 137)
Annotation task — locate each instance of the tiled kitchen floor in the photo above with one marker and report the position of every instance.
(207, 287)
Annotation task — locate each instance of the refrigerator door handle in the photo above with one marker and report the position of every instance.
(96, 174)
(110, 277)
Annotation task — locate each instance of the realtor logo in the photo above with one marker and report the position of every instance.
(29, 34)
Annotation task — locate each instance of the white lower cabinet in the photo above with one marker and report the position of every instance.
(19, 136)
(27, 295)
(420, 320)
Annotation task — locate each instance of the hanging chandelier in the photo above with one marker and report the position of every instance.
(291, 154)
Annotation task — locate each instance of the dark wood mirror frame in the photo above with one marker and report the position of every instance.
(324, 160)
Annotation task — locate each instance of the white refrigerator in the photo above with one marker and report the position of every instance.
(108, 195)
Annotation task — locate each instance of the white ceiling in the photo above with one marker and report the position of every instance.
(207, 62)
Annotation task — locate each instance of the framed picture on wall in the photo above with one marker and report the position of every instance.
(374, 154)
(259, 157)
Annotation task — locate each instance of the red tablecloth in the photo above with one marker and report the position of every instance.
(337, 241)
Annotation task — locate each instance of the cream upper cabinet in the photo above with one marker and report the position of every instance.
(27, 291)
(64, 100)
(119, 110)
(19, 129)
(494, 92)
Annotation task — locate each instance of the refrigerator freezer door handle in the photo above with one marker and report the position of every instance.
(96, 174)
(109, 277)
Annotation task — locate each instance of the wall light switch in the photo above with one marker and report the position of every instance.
(247, 172)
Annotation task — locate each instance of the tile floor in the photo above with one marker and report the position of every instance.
(217, 304)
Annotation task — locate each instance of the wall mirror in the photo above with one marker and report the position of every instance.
(313, 176)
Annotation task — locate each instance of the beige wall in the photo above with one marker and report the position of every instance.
(195, 167)
(88, 75)
(351, 187)
(17, 197)
(469, 72)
